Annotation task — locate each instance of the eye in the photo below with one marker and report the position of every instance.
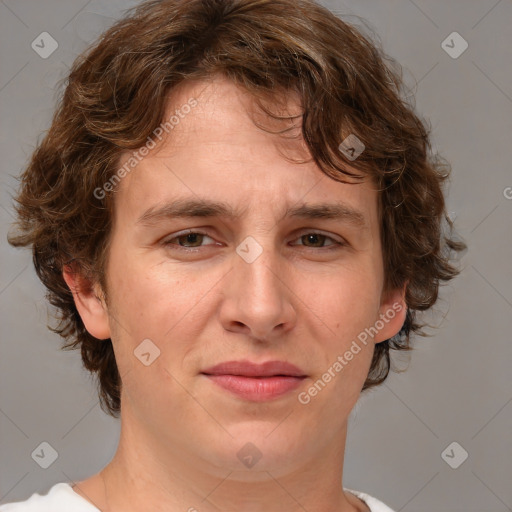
(317, 239)
(190, 237)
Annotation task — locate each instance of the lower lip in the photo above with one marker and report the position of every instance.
(257, 389)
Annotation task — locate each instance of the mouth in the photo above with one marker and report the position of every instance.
(256, 382)
(249, 369)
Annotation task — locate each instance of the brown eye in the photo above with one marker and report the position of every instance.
(189, 240)
(317, 240)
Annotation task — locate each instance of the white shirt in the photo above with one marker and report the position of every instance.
(62, 498)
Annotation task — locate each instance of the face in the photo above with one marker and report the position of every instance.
(250, 283)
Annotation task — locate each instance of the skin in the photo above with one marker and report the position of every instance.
(298, 302)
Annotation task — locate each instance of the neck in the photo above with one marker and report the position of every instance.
(146, 475)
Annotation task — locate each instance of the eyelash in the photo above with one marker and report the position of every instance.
(167, 242)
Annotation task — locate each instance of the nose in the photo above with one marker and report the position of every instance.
(258, 299)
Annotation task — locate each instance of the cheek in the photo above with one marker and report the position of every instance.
(151, 299)
(150, 312)
(163, 304)
(344, 308)
(346, 302)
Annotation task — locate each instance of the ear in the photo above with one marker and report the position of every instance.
(89, 302)
(392, 313)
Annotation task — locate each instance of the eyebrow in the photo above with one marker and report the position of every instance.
(188, 208)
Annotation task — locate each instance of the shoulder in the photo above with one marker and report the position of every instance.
(60, 498)
(374, 504)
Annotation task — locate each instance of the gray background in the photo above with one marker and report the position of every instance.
(457, 387)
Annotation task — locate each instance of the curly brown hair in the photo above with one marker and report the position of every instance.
(346, 84)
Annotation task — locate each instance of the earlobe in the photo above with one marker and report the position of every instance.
(90, 306)
(392, 314)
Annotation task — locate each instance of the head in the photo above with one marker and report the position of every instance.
(263, 106)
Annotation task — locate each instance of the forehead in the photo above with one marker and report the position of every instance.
(227, 150)
(226, 113)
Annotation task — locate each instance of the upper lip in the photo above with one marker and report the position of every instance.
(250, 369)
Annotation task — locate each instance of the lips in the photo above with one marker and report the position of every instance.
(256, 382)
(249, 369)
